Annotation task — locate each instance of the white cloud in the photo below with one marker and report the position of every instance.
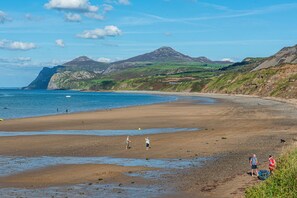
(55, 62)
(104, 60)
(60, 43)
(107, 8)
(24, 59)
(107, 31)
(94, 16)
(71, 5)
(228, 59)
(3, 17)
(20, 61)
(124, 2)
(121, 2)
(72, 17)
(75, 8)
(16, 45)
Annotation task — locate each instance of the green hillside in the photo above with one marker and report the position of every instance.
(156, 76)
(277, 82)
(168, 70)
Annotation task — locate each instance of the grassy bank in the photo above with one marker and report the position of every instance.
(273, 82)
(283, 184)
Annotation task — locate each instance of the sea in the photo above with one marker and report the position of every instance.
(17, 103)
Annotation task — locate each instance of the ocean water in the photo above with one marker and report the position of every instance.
(15, 103)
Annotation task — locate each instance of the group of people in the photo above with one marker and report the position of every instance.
(147, 143)
(254, 164)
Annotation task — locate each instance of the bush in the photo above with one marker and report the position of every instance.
(283, 183)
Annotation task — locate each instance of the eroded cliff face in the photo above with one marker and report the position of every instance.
(43, 78)
(285, 55)
(62, 77)
(69, 79)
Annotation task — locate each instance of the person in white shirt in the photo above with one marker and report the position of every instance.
(128, 143)
(147, 143)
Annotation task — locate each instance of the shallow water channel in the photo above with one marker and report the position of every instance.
(99, 132)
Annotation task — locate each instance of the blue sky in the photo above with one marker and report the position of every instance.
(38, 33)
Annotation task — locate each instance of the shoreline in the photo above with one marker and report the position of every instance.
(207, 94)
(216, 96)
(233, 128)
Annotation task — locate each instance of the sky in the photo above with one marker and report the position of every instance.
(39, 33)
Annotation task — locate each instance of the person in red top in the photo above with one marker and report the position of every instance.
(272, 163)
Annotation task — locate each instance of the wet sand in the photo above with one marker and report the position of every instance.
(231, 130)
(70, 174)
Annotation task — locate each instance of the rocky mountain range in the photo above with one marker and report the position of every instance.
(86, 68)
(168, 70)
(163, 54)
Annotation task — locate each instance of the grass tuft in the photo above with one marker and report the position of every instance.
(283, 183)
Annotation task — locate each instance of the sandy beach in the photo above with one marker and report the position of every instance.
(230, 131)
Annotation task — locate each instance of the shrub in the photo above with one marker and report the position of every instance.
(283, 183)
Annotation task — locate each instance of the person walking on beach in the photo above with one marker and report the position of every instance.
(254, 164)
(147, 143)
(128, 143)
(272, 164)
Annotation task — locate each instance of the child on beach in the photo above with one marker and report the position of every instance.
(272, 164)
(254, 163)
(128, 143)
(147, 143)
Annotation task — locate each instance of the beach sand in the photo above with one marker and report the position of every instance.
(71, 174)
(230, 130)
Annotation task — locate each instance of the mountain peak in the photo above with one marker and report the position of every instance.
(167, 51)
(82, 59)
(79, 60)
(85, 63)
(165, 48)
(163, 54)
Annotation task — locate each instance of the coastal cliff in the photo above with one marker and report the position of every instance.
(85, 73)
(44, 77)
(168, 70)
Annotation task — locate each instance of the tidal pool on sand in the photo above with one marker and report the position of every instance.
(99, 132)
(13, 165)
